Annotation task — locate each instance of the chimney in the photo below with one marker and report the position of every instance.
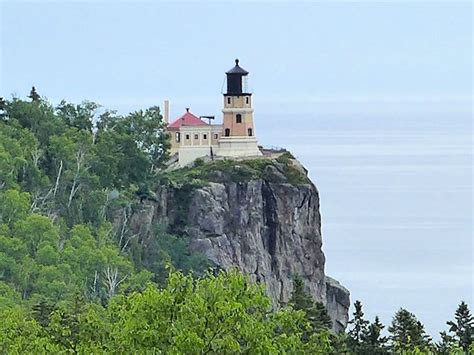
(166, 113)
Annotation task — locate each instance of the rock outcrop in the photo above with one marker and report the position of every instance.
(268, 227)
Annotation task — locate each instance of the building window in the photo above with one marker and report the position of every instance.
(247, 100)
(196, 136)
(204, 136)
(238, 118)
(187, 136)
(178, 137)
(228, 100)
(227, 132)
(250, 132)
(216, 136)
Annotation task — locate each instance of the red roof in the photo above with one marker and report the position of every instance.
(188, 119)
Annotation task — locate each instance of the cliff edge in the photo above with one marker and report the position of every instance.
(261, 216)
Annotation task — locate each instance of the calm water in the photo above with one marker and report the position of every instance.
(396, 203)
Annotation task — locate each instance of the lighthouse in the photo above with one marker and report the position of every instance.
(238, 134)
(192, 138)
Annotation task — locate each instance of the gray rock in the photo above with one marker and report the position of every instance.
(267, 228)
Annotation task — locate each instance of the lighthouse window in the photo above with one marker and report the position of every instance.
(238, 118)
(227, 132)
(228, 100)
(196, 136)
(204, 136)
(250, 132)
(187, 136)
(247, 100)
(178, 137)
(216, 136)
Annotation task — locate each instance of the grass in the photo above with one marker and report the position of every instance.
(202, 173)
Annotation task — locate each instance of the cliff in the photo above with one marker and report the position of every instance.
(261, 216)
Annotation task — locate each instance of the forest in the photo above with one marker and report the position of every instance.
(72, 282)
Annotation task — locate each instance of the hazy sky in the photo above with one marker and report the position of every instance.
(378, 94)
(133, 54)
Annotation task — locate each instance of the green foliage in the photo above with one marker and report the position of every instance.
(224, 313)
(242, 171)
(407, 333)
(372, 340)
(162, 249)
(365, 337)
(56, 174)
(75, 280)
(315, 312)
(359, 326)
(461, 328)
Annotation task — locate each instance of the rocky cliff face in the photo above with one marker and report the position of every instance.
(267, 227)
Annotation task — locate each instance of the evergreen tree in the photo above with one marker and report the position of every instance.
(316, 313)
(358, 327)
(320, 317)
(463, 326)
(407, 333)
(447, 344)
(372, 340)
(358, 323)
(42, 312)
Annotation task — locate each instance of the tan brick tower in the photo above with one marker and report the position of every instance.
(238, 135)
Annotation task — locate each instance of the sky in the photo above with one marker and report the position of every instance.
(378, 95)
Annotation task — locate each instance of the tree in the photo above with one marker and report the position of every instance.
(447, 345)
(79, 116)
(316, 313)
(463, 326)
(223, 313)
(407, 333)
(358, 323)
(42, 311)
(372, 340)
(14, 206)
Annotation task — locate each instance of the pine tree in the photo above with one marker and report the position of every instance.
(34, 96)
(316, 313)
(359, 324)
(320, 317)
(407, 333)
(372, 340)
(358, 327)
(42, 312)
(446, 345)
(463, 326)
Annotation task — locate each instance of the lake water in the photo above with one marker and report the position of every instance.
(396, 205)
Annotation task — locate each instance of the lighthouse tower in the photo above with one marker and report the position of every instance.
(238, 132)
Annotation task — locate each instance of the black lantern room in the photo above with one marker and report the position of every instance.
(236, 80)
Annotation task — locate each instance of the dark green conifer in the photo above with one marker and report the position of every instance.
(463, 326)
(446, 345)
(316, 313)
(358, 323)
(42, 312)
(407, 333)
(372, 340)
